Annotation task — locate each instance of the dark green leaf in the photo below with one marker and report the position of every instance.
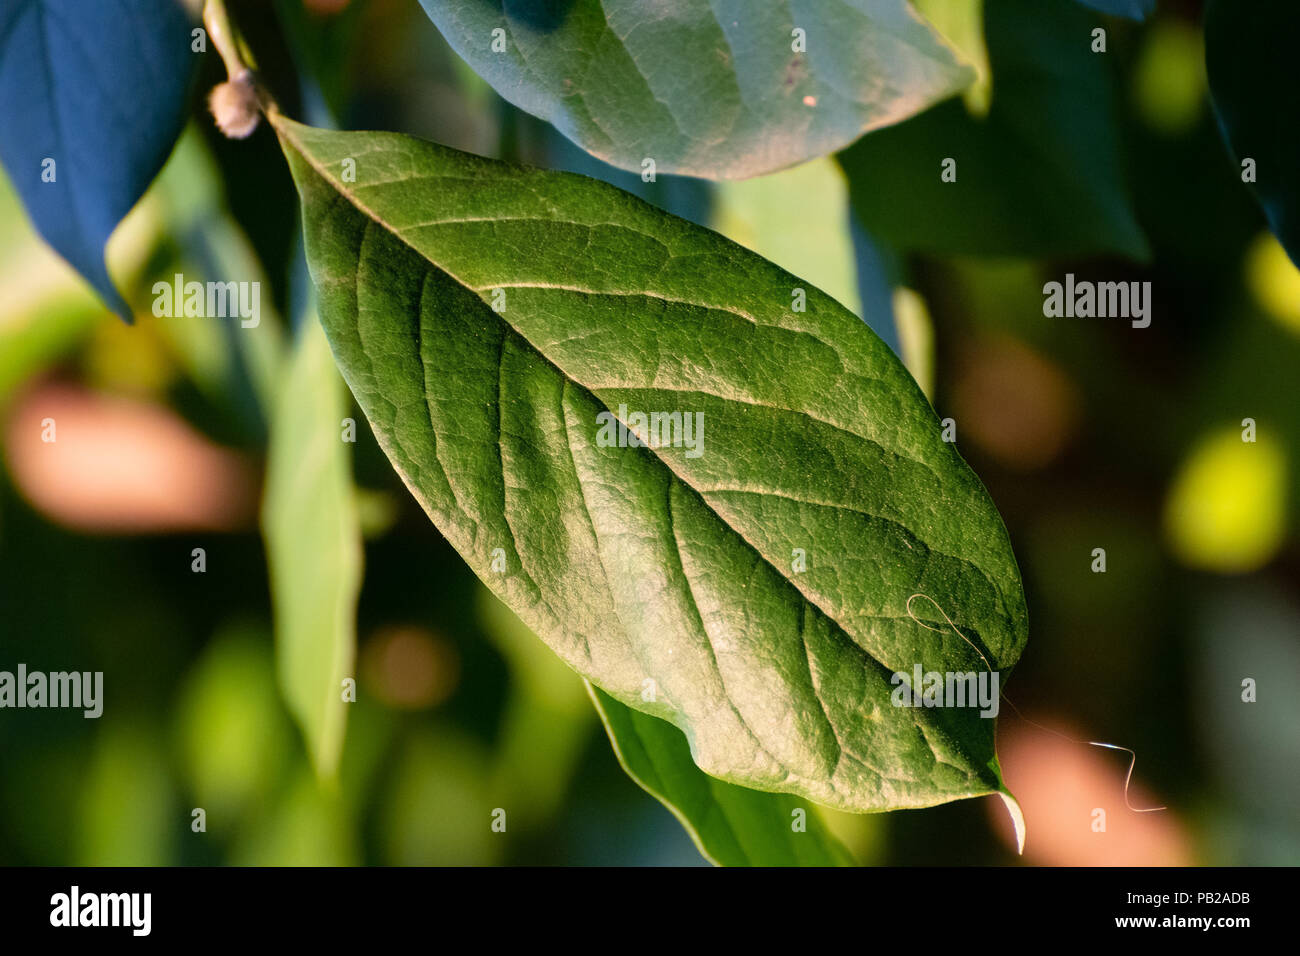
(1248, 57)
(1040, 175)
(653, 571)
(706, 89)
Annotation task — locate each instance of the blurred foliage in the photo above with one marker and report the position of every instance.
(1088, 433)
(313, 542)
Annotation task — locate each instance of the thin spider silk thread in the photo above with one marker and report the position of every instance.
(1091, 743)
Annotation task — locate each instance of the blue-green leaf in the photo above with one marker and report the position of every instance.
(723, 89)
(92, 95)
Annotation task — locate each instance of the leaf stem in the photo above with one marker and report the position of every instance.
(217, 21)
(241, 66)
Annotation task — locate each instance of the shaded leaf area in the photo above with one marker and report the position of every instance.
(1250, 61)
(655, 564)
(718, 90)
(731, 825)
(1041, 175)
(98, 90)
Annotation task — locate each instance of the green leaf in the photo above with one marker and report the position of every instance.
(1039, 176)
(657, 569)
(1248, 59)
(313, 545)
(731, 825)
(712, 89)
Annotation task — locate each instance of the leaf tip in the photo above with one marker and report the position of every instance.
(1017, 819)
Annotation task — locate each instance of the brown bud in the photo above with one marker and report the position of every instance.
(234, 105)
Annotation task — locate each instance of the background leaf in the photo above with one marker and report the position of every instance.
(1251, 67)
(1040, 175)
(707, 89)
(100, 89)
(313, 543)
(809, 239)
(547, 721)
(655, 568)
(731, 825)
